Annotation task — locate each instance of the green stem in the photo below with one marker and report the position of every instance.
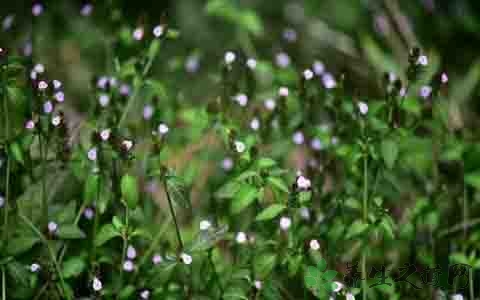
(7, 196)
(96, 221)
(125, 245)
(4, 285)
(44, 185)
(50, 251)
(365, 220)
(470, 279)
(172, 212)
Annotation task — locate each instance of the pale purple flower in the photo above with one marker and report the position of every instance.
(444, 78)
(47, 107)
(56, 120)
(128, 266)
(30, 125)
(349, 296)
(285, 223)
(39, 68)
(104, 100)
(425, 91)
(258, 284)
(382, 25)
(37, 9)
(422, 60)
(298, 138)
(131, 252)
(27, 49)
(97, 284)
(92, 154)
(270, 104)
(57, 84)
(86, 10)
(303, 183)
(282, 60)
(145, 294)
(102, 82)
(255, 124)
(42, 85)
(227, 164)
(52, 227)
(318, 68)
(316, 144)
(304, 213)
(158, 30)
(112, 81)
(124, 90)
(127, 144)
(314, 245)
(33, 75)
(290, 35)
(147, 112)
(88, 213)
(283, 91)
(192, 64)
(363, 107)
(334, 140)
(138, 33)
(2, 201)
(157, 259)
(229, 57)
(402, 92)
(59, 96)
(391, 76)
(34, 268)
(328, 81)
(105, 134)
(163, 129)
(241, 99)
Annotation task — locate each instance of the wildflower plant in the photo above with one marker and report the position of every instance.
(285, 178)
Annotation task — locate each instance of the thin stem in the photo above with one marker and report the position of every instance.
(7, 196)
(42, 290)
(217, 278)
(365, 220)
(470, 279)
(172, 212)
(44, 185)
(4, 285)
(50, 251)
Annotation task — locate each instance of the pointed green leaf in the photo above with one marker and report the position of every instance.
(129, 187)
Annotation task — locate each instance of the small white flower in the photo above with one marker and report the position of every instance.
(304, 213)
(338, 287)
(34, 268)
(92, 154)
(298, 138)
(145, 294)
(128, 266)
(363, 107)
(2, 201)
(241, 99)
(290, 35)
(88, 213)
(255, 124)
(229, 57)
(138, 33)
(205, 225)
(97, 284)
(402, 92)
(282, 60)
(33, 75)
(425, 91)
(334, 140)
(37, 9)
(316, 144)
(156, 259)
(47, 107)
(52, 227)
(391, 76)
(283, 91)
(163, 129)
(131, 252)
(39, 68)
(422, 60)
(239, 146)
(314, 245)
(57, 84)
(241, 237)
(186, 259)
(329, 81)
(104, 99)
(258, 284)
(158, 30)
(444, 78)
(59, 96)
(192, 64)
(308, 74)
(30, 125)
(251, 63)
(42, 85)
(227, 164)
(285, 223)
(56, 120)
(105, 134)
(147, 112)
(349, 296)
(318, 68)
(303, 182)
(270, 104)
(457, 297)
(127, 144)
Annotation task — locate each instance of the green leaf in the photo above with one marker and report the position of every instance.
(70, 232)
(389, 151)
(19, 245)
(329, 275)
(322, 265)
(278, 183)
(207, 239)
(228, 190)
(17, 153)
(129, 189)
(265, 163)
(107, 232)
(73, 267)
(357, 228)
(245, 196)
(18, 273)
(264, 264)
(270, 212)
(473, 179)
(178, 190)
(91, 188)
